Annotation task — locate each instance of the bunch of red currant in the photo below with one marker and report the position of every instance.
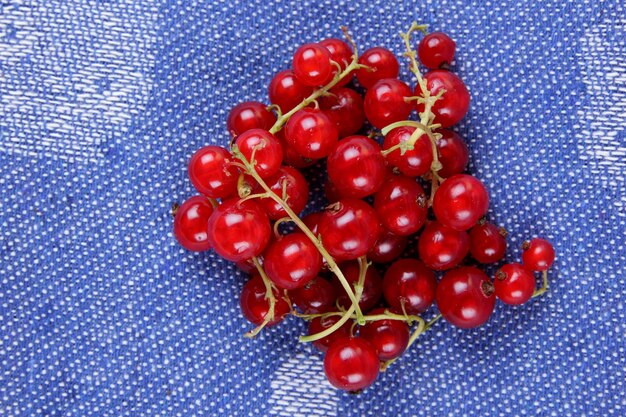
(377, 204)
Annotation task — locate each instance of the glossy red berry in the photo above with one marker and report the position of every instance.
(238, 230)
(372, 286)
(317, 296)
(461, 201)
(487, 242)
(291, 157)
(212, 173)
(319, 324)
(538, 255)
(465, 297)
(312, 220)
(441, 247)
(255, 306)
(295, 187)
(514, 284)
(311, 133)
(384, 102)
(453, 153)
(345, 108)
(414, 162)
(268, 154)
(351, 364)
(311, 65)
(389, 337)
(410, 284)
(341, 53)
(249, 115)
(349, 229)
(292, 261)
(247, 266)
(436, 49)
(453, 105)
(331, 192)
(383, 64)
(356, 167)
(401, 205)
(387, 248)
(190, 223)
(286, 91)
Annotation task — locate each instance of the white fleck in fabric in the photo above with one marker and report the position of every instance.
(102, 102)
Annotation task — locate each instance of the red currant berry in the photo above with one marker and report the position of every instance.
(401, 205)
(311, 64)
(317, 296)
(409, 286)
(414, 162)
(312, 133)
(514, 284)
(389, 337)
(453, 104)
(312, 220)
(442, 248)
(211, 172)
(247, 266)
(453, 153)
(295, 187)
(249, 115)
(319, 324)
(268, 154)
(387, 248)
(190, 223)
(383, 64)
(286, 91)
(255, 306)
(238, 230)
(292, 261)
(460, 202)
(341, 53)
(384, 102)
(331, 192)
(351, 364)
(538, 255)
(487, 243)
(345, 108)
(291, 157)
(436, 49)
(372, 286)
(356, 167)
(465, 297)
(349, 229)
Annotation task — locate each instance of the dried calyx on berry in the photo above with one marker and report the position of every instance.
(422, 212)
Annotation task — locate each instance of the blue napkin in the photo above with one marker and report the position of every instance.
(102, 313)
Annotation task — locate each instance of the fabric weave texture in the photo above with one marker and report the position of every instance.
(102, 313)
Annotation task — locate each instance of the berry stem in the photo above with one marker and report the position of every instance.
(387, 315)
(249, 167)
(427, 116)
(347, 315)
(269, 295)
(277, 224)
(358, 288)
(544, 286)
(412, 54)
(422, 326)
(363, 265)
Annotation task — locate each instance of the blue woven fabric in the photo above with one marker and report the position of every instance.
(103, 314)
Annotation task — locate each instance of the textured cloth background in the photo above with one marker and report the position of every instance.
(103, 314)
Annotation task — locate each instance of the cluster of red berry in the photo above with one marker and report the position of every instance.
(377, 203)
